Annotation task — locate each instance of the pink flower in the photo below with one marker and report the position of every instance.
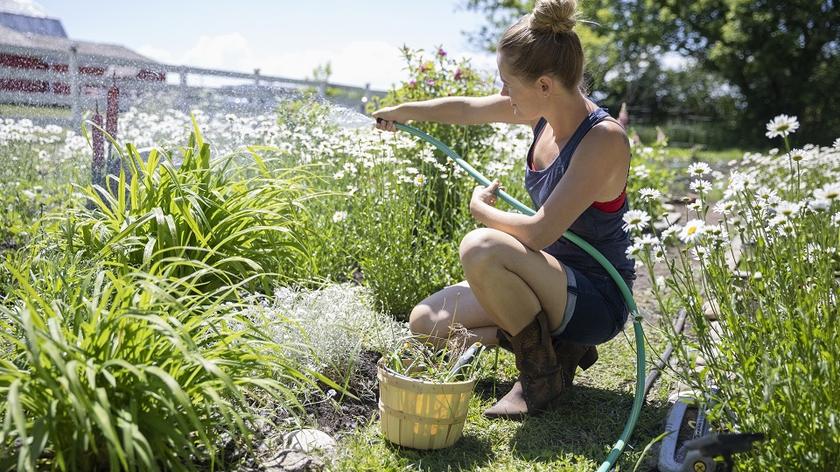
(441, 52)
(430, 82)
(412, 83)
(458, 74)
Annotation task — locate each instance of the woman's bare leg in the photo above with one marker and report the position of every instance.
(454, 304)
(512, 282)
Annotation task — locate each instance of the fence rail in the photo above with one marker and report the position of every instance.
(82, 84)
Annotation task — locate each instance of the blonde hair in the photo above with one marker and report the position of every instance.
(543, 42)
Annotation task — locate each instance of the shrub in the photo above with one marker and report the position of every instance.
(218, 222)
(442, 76)
(131, 372)
(332, 325)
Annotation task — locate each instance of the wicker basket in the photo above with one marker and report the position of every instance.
(420, 414)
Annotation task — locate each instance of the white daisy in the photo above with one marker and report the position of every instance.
(640, 172)
(339, 216)
(648, 194)
(635, 220)
(738, 182)
(647, 241)
(691, 231)
(419, 180)
(837, 143)
(724, 207)
(671, 232)
(797, 155)
(782, 126)
(699, 253)
(633, 250)
(695, 206)
(699, 169)
(767, 196)
(787, 209)
(700, 186)
(778, 222)
(829, 192)
(819, 204)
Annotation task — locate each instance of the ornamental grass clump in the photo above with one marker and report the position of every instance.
(132, 372)
(771, 352)
(182, 214)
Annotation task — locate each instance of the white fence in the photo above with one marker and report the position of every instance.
(254, 91)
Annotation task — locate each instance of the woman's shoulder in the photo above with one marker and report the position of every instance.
(607, 137)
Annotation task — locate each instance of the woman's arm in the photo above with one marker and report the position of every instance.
(598, 172)
(452, 110)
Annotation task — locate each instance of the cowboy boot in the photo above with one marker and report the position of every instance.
(541, 378)
(570, 355)
(588, 357)
(513, 403)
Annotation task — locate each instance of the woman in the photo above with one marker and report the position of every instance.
(526, 289)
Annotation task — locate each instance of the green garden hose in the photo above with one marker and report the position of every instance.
(618, 447)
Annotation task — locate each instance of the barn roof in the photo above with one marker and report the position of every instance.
(42, 26)
(10, 37)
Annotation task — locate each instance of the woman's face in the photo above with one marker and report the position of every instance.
(526, 97)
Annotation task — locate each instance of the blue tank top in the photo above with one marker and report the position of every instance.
(603, 230)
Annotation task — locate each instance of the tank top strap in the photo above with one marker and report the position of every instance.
(595, 117)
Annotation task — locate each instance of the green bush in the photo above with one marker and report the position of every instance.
(217, 222)
(387, 230)
(130, 372)
(442, 76)
(398, 208)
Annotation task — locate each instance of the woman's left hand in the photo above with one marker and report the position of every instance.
(484, 195)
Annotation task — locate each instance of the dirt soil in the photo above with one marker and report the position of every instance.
(350, 414)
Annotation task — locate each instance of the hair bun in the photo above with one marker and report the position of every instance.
(555, 16)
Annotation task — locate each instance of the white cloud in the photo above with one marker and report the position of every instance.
(229, 51)
(354, 63)
(157, 54)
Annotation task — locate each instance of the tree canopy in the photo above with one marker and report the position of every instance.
(759, 57)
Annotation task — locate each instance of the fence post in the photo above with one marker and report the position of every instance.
(257, 77)
(365, 98)
(184, 90)
(322, 89)
(75, 95)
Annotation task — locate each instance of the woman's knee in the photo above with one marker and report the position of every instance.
(420, 320)
(480, 247)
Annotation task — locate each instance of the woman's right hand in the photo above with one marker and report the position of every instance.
(385, 118)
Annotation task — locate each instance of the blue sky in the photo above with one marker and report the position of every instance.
(285, 38)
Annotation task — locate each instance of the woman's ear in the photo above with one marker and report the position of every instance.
(546, 85)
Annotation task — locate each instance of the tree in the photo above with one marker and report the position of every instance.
(781, 56)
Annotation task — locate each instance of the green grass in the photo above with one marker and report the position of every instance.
(27, 111)
(577, 436)
(711, 156)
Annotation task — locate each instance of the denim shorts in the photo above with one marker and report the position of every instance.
(595, 309)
